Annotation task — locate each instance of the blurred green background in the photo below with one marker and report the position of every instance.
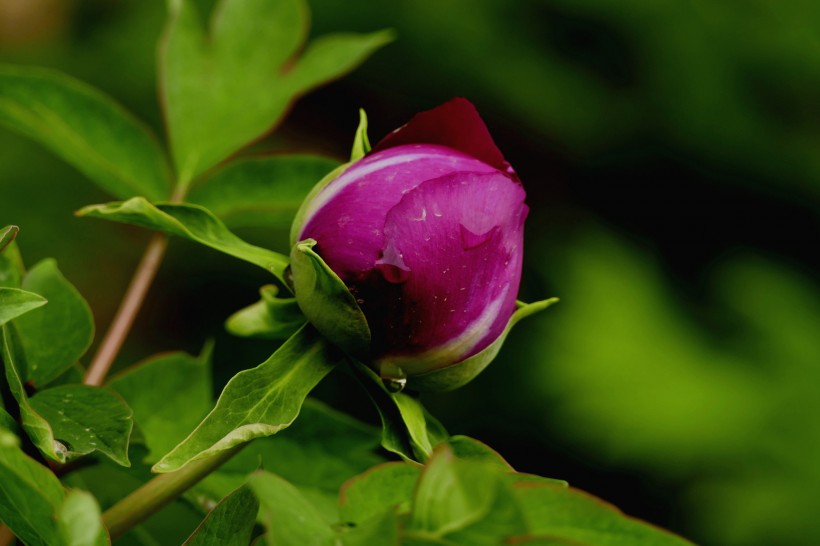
(671, 153)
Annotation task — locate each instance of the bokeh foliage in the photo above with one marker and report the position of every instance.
(670, 154)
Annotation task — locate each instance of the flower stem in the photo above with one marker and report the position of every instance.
(130, 306)
(161, 490)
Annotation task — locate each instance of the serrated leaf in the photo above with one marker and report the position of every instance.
(579, 518)
(37, 428)
(15, 302)
(260, 401)
(86, 419)
(30, 495)
(86, 128)
(387, 486)
(169, 394)
(7, 235)
(287, 515)
(230, 523)
(54, 337)
(269, 318)
(190, 222)
(248, 56)
(79, 521)
(261, 192)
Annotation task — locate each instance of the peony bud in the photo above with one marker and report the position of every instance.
(426, 233)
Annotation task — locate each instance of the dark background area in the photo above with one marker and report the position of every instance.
(671, 155)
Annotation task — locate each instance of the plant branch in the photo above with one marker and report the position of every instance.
(161, 490)
(130, 306)
(6, 536)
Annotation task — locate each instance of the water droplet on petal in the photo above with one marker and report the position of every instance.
(391, 265)
(470, 240)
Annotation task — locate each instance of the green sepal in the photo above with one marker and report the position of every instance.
(269, 318)
(326, 301)
(299, 218)
(361, 144)
(461, 373)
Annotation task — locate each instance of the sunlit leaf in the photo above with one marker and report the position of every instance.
(54, 337)
(259, 402)
(383, 487)
(190, 222)
(248, 56)
(261, 192)
(230, 523)
(86, 128)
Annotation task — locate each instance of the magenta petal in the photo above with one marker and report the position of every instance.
(455, 124)
(459, 241)
(347, 217)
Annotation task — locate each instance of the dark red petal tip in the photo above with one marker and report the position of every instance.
(455, 124)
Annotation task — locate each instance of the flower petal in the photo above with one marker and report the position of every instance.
(457, 241)
(455, 124)
(347, 217)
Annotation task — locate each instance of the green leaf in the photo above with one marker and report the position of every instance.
(248, 57)
(79, 521)
(56, 336)
(169, 394)
(287, 515)
(30, 495)
(461, 373)
(230, 523)
(86, 128)
(15, 302)
(86, 419)
(382, 530)
(190, 222)
(7, 235)
(452, 494)
(407, 428)
(326, 301)
(261, 192)
(576, 517)
(318, 454)
(296, 226)
(361, 144)
(110, 483)
(260, 401)
(389, 485)
(7, 421)
(269, 318)
(11, 266)
(37, 428)
(468, 448)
